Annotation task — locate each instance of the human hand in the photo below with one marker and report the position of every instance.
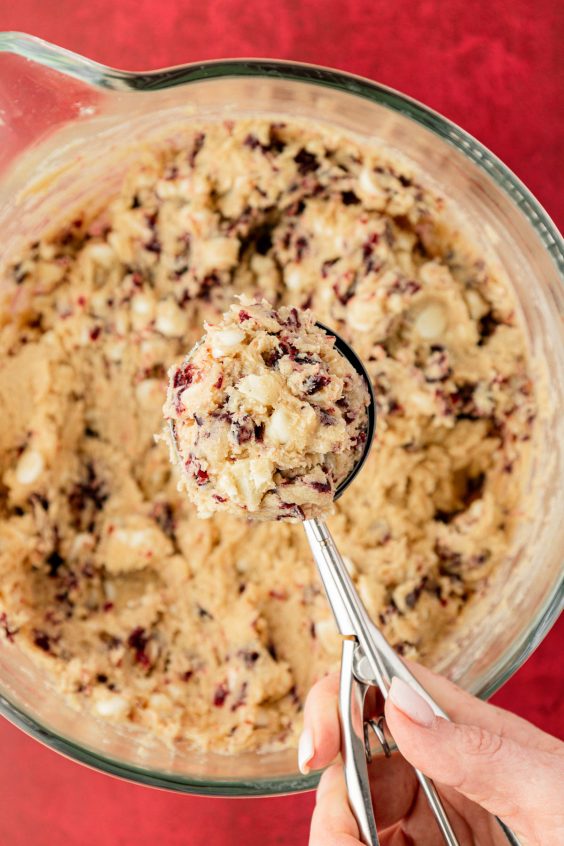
(486, 759)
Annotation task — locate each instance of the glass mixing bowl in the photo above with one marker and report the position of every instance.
(68, 126)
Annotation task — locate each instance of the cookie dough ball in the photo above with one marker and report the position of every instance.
(269, 417)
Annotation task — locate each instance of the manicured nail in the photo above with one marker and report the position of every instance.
(411, 703)
(305, 750)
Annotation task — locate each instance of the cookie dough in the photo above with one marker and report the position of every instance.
(268, 417)
(211, 631)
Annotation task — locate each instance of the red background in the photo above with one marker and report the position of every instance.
(494, 67)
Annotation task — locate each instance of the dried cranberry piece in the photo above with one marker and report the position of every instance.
(184, 376)
(326, 418)
(249, 657)
(54, 560)
(278, 594)
(153, 246)
(138, 640)
(413, 595)
(306, 161)
(302, 358)
(271, 357)
(8, 631)
(405, 286)
(244, 315)
(204, 614)
(345, 296)
(288, 348)
(42, 640)
(201, 476)
(401, 648)
(198, 144)
(242, 431)
(219, 381)
(163, 514)
(220, 695)
(349, 198)
(326, 266)
(86, 498)
(320, 487)
(219, 498)
(293, 319)
(486, 327)
(259, 432)
(187, 675)
(315, 383)
(301, 246)
(95, 333)
(252, 142)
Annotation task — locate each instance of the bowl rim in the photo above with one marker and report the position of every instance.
(110, 79)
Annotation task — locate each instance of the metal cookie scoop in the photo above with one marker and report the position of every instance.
(367, 659)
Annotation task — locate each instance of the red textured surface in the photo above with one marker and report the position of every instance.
(494, 67)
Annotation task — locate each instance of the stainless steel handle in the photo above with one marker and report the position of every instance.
(382, 663)
(353, 752)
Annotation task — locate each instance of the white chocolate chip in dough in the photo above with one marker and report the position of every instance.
(248, 480)
(369, 187)
(148, 393)
(431, 322)
(224, 341)
(264, 389)
(30, 467)
(112, 706)
(294, 279)
(171, 320)
(280, 427)
(217, 254)
(477, 306)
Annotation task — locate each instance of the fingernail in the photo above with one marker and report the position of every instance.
(305, 750)
(411, 703)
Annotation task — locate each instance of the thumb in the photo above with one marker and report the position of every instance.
(490, 769)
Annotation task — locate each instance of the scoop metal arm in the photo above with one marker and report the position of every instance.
(367, 660)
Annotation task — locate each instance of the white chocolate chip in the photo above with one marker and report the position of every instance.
(224, 341)
(159, 701)
(134, 538)
(148, 393)
(280, 427)
(171, 320)
(293, 279)
(217, 254)
(264, 389)
(143, 305)
(367, 182)
(30, 467)
(247, 480)
(112, 706)
(101, 254)
(373, 194)
(476, 305)
(431, 322)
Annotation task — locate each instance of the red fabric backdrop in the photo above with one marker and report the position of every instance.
(493, 66)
